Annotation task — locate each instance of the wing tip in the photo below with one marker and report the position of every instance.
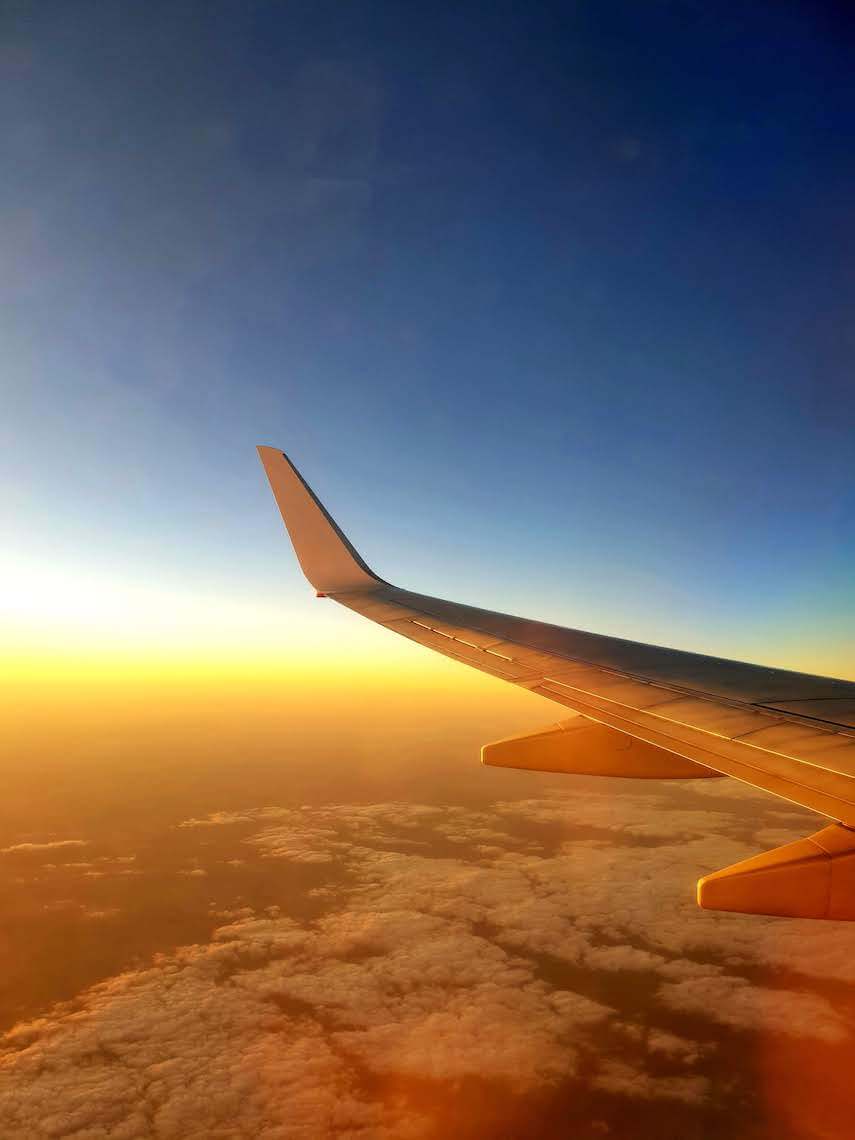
(326, 555)
(267, 451)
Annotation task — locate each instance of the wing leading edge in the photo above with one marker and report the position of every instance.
(792, 734)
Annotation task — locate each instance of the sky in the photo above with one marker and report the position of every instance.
(551, 305)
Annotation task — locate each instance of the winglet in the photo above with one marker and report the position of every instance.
(327, 558)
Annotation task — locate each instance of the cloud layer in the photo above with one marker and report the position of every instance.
(548, 947)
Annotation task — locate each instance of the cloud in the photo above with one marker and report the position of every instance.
(48, 845)
(307, 846)
(170, 1052)
(419, 995)
(233, 914)
(602, 891)
(620, 1078)
(228, 818)
(735, 1001)
(269, 1026)
(672, 1045)
(453, 961)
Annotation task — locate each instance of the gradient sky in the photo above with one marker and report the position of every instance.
(552, 305)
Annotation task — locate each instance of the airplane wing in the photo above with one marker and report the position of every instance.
(648, 711)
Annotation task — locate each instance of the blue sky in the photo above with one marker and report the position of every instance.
(552, 305)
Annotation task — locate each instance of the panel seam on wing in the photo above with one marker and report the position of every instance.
(782, 716)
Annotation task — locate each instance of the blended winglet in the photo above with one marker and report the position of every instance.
(327, 558)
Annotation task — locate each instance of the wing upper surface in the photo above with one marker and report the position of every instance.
(717, 713)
